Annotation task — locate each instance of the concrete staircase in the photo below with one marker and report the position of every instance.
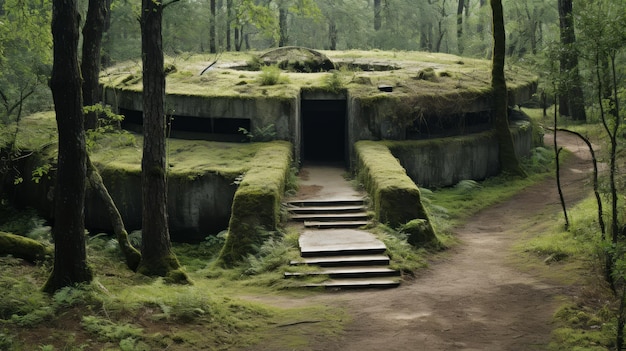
(324, 214)
(348, 257)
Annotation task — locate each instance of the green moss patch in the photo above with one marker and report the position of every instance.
(256, 206)
(409, 73)
(396, 198)
(23, 247)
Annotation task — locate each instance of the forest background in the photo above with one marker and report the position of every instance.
(543, 36)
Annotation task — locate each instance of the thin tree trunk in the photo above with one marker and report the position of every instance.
(157, 258)
(90, 64)
(229, 21)
(509, 161)
(132, 256)
(377, 15)
(70, 257)
(282, 25)
(459, 25)
(571, 98)
(332, 35)
(212, 28)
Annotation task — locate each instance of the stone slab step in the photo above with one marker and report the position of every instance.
(342, 261)
(338, 242)
(331, 216)
(325, 202)
(326, 209)
(335, 224)
(380, 283)
(349, 272)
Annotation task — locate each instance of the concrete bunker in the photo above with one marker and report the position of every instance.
(432, 97)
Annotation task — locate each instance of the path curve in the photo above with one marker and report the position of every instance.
(474, 299)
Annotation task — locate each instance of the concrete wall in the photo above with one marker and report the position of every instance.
(283, 113)
(196, 207)
(446, 161)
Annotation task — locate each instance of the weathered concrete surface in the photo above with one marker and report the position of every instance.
(444, 162)
(338, 240)
(196, 207)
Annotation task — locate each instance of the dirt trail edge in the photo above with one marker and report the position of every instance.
(474, 298)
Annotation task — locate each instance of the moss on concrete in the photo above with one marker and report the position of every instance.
(396, 198)
(256, 206)
(446, 75)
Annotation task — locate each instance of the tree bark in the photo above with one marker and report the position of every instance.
(90, 64)
(509, 161)
(459, 25)
(212, 28)
(131, 255)
(282, 27)
(332, 34)
(571, 97)
(229, 21)
(157, 258)
(377, 15)
(70, 258)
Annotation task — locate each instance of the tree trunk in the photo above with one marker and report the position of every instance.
(157, 258)
(229, 21)
(282, 26)
(105, 57)
(132, 256)
(90, 64)
(509, 161)
(459, 25)
(377, 15)
(70, 258)
(332, 35)
(571, 98)
(212, 29)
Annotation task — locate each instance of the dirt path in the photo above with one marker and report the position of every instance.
(474, 298)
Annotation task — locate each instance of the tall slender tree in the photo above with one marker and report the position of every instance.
(509, 161)
(571, 97)
(157, 258)
(70, 258)
(90, 63)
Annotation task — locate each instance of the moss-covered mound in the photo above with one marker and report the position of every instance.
(23, 247)
(298, 59)
(396, 198)
(256, 206)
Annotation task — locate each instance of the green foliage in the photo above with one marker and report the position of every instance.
(20, 298)
(261, 134)
(404, 256)
(273, 254)
(108, 330)
(22, 222)
(270, 75)
(333, 82)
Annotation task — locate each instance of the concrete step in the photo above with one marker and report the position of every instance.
(326, 209)
(326, 202)
(349, 272)
(344, 261)
(339, 242)
(325, 217)
(334, 224)
(379, 283)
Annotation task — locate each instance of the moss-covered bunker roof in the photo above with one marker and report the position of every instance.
(361, 72)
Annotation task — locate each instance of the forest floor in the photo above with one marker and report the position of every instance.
(484, 294)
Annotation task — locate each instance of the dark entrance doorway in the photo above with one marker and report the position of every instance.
(324, 130)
